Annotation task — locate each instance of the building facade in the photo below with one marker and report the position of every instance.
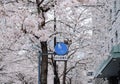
(104, 74)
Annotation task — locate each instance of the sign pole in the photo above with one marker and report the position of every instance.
(39, 66)
(60, 49)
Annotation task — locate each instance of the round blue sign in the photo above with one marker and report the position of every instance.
(61, 48)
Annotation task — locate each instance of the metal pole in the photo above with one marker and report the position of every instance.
(39, 66)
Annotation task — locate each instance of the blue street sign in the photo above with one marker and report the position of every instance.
(61, 48)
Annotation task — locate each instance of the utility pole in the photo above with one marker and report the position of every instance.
(56, 78)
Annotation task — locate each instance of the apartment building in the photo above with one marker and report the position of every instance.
(109, 71)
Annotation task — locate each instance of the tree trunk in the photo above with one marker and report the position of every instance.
(44, 64)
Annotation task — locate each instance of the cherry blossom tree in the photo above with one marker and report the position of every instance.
(30, 26)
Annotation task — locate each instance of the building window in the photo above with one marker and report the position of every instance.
(110, 14)
(116, 36)
(114, 12)
(119, 3)
(112, 40)
(117, 6)
(108, 47)
(110, 18)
